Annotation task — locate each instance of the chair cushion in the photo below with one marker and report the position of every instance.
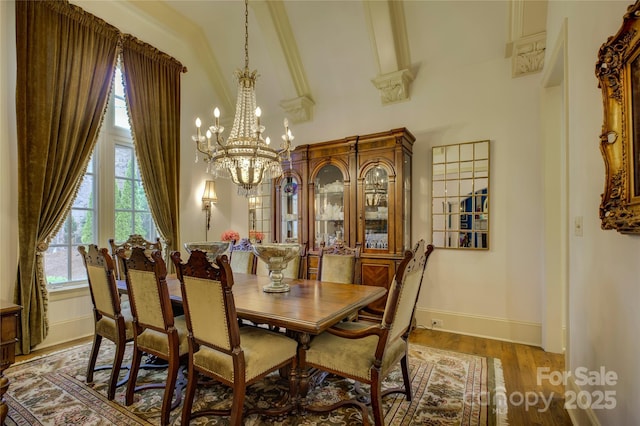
(263, 350)
(159, 342)
(101, 289)
(106, 326)
(352, 357)
(338, 268)
(143, 286)
(242, 261)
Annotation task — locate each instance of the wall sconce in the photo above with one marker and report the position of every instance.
(208, 197)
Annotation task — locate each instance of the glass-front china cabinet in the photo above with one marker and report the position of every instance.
(355, 190)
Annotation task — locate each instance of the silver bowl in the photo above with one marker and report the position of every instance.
(213, 249)
(276, 256)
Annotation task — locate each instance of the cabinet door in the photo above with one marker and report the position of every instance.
(377, 272)
(329, 206)
(290, 214)
(376, 210)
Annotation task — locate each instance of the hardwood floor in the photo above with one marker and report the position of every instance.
(519, 364)
(530, 402)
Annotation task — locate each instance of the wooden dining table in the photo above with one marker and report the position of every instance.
(309, 307)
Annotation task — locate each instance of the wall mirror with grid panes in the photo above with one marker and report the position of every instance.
(460, 195)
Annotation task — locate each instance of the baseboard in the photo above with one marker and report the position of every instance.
(578, 414)
(66, 331)
(474, 325)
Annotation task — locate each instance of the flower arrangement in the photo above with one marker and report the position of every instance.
(256, 235)
(230, 236)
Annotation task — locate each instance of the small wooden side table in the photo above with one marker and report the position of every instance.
(9, 320)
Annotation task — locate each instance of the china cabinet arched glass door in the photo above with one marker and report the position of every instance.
(290, 205)
(329, 206)
(376, 209)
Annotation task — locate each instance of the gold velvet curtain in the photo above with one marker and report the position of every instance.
(152, 91)
(66, 59)
(65, 63)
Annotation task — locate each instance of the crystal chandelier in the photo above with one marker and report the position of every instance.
(246, 157)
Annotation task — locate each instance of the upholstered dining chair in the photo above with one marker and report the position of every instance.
(113, 319)
(339, 264)
(134, 240)
(156, 330)
(218, 347)
(367, 352)
(242, 259)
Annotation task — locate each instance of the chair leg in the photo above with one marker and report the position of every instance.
(115, 371)
(404, 364)
(97, 339)
(133, 375)
(192, 382)
(376, 404)
(237, 404)
(172, 376)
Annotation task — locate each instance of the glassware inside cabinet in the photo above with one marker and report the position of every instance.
(329, 206)
(289, 202)
(376, 210)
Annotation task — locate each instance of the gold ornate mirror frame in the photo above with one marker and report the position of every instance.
(618, 72)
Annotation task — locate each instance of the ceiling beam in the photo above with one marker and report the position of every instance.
(527, 36)
(390, 44)
(281, 42)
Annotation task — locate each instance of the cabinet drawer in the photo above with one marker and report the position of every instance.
(9, 334)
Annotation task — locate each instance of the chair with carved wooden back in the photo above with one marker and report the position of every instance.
(294, 268)
(156, 331)
(218, 347)
(134, 240)
(242, 259)
(113, 319)
(367, 352)
(339, 264)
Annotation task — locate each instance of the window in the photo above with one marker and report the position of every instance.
(62, 259)
(111, 201)
(132, 214)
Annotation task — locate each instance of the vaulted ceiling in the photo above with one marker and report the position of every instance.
(315, 51)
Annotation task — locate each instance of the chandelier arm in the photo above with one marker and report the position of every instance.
(219, 141)
(203, 151)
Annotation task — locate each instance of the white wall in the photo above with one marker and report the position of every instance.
(603, 274)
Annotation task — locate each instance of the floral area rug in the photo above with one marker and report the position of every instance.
(449, 388)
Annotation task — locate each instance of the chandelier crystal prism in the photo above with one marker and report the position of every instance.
(246, 156)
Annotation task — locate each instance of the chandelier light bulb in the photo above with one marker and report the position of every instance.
(216, 113)
(198, 122)
(258, 112)
(267, 140)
